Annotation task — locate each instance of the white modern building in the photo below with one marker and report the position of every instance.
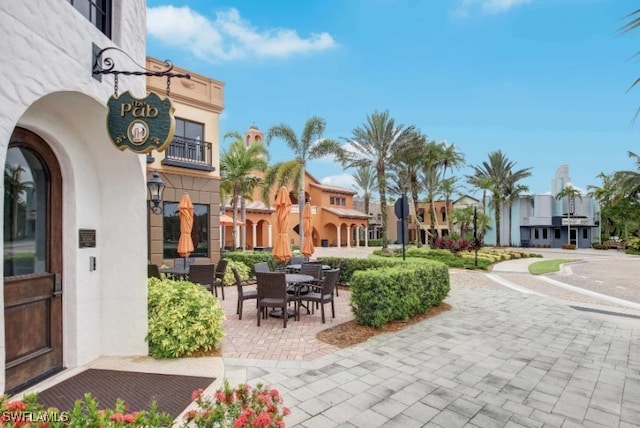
(75, 249)
(542, 220)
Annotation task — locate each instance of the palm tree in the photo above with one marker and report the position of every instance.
(571, 193)
(448, 187)
(464, 217)
(431, 172)
(237, 165)
(632, 24)
(311, 145)
(411, 154)
(374, 144)
(451, 159)
(629, 180)
(498, 172)
(365, 179)
(605, 197)
(15, 188)
(512, 192)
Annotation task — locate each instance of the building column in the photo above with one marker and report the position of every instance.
(339, 237)
(269, 236)
(221, 237)
(358, 236)
(254, 228)
(366, 236)
(349, 236)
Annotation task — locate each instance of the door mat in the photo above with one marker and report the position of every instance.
(137, 390)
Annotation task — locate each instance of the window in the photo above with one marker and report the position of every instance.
(188, 142)
(189, 129)
(332, 200)
(585, 233)
(96, 11)
(443, 212)
(545, 234)
(171, 230)
(556, 234)
(343, 201)
(536, 233)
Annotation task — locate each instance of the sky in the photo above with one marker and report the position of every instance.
(547, 82)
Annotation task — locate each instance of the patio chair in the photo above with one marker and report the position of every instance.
(261, 267)
(203, 275)
(272, 293)
(297, 260)
(183, 262)
(323, 293)
(221, 268)
(242, 293)
(153, 271)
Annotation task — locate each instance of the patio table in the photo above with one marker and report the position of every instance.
(177, 273)
(293, 281)
(296, 267)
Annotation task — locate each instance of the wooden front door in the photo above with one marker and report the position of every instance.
(32, 261)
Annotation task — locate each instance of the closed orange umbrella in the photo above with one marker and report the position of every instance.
(185, 244)
(307, 246)
(282, 249)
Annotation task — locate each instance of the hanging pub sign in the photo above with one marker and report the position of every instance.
(140, 124)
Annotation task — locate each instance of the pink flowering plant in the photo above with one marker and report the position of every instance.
(242, 407)
(28, 412)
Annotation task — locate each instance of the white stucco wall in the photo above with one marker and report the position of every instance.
(48, 88)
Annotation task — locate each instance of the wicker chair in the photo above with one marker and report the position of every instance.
(261, 267)
(203, 275)
(272, 293)
(323, 293)
(242, 293)
(153, 271)
(221, 268)
(297, 260)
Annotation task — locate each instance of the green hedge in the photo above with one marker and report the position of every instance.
(372, 242)
(379, 296)
(349, 266)
(249, 258)
(183, 318)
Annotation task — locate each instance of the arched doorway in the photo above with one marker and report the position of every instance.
(32, 261)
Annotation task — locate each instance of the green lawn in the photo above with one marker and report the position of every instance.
(547, 266)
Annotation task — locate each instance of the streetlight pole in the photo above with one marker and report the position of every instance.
(475, 235)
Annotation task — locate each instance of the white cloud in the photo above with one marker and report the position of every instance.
(228, 37)
(341, 180)
(487, 6)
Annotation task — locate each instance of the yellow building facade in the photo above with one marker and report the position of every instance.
(190, 164)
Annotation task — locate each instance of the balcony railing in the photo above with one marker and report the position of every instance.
(295, 209)
(189, 153)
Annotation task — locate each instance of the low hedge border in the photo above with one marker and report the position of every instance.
(381, 295)
(348, 266)
(249, 258)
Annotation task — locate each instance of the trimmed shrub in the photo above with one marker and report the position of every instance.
(249, 258)
(349, 266)
(568, 246)
(243, 270)
(397, 293)
(633, 244)
(183, 318)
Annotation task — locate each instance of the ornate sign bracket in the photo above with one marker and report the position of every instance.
(106, 65)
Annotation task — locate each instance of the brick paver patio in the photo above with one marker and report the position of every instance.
(270, 341)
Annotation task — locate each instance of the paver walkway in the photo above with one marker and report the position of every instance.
(500, 357)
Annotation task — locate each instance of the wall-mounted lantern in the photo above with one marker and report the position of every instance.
(156, 189)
